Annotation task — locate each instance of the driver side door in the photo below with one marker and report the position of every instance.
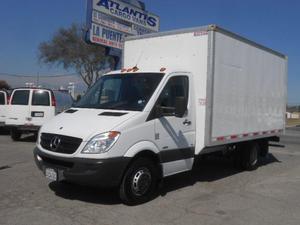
(175, 136)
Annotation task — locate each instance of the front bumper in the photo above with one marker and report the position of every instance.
(91, 172)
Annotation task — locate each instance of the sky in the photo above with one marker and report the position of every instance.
(273, 23)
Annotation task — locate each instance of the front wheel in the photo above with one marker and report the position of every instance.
(139, 182)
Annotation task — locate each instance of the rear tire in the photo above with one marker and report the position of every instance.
(15, 135)
(139, 182)
(247, 156)
(264, 148)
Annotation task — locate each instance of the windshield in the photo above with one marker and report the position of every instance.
(121, 92)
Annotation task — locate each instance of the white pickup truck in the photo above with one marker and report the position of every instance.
(179, 95)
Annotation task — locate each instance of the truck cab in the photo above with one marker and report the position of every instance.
(126, 117)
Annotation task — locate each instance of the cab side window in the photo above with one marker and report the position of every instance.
(176, 87)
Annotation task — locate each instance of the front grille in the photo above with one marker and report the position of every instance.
(67, 145)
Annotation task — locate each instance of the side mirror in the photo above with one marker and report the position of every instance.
(181, 106)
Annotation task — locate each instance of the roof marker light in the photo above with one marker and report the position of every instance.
(163, 69)
(134, 69)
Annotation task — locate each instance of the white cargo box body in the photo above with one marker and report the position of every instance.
(240, 86)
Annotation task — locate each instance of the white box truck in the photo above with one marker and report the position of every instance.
(179, 95)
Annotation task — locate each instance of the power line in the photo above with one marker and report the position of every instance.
(41, 76)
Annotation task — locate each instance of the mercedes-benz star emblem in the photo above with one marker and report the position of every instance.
(55, 142)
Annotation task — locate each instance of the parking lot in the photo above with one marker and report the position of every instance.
(214, 193)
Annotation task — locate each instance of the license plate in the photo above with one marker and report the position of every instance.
(38, 114)
(51, 174)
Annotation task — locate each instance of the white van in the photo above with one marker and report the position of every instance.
(4, 95)
(30, 108)
(181, 94)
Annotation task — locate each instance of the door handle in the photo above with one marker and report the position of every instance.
(187, 122)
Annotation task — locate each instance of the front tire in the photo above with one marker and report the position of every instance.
(139, 182)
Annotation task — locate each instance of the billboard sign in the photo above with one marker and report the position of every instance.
(106, 36)
(127, 12)
(110, 21)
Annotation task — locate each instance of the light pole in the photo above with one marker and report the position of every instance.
(71, 89)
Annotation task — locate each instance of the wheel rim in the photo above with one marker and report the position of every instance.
(141, 181)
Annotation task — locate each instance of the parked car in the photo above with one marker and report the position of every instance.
(4, 98)
(30, 108)
(180, 95)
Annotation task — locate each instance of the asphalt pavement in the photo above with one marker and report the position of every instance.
(213, 193)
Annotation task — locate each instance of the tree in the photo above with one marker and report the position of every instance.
(4, 85)
(68, 48)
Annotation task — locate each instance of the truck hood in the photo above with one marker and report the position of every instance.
(85, 123)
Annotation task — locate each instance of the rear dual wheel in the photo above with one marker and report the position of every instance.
(247, 156)
(264, 148)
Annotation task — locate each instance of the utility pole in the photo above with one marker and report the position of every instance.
(37, 79)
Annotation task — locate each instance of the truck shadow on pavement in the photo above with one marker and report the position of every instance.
(86, 194)
(4, 131)
(209, 169)
(28, 138)
(24, 138)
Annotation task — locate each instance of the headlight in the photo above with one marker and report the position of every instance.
(101, 143)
